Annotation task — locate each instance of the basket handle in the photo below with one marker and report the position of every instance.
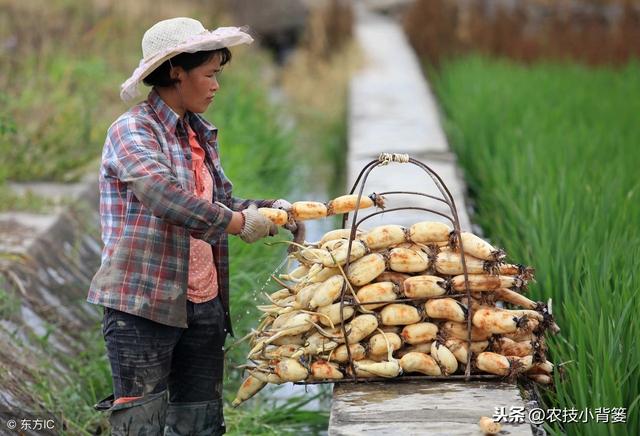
(387, 158)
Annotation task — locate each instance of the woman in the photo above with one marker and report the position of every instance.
(166, 210)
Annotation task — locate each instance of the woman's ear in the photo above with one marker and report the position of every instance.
(176, 73)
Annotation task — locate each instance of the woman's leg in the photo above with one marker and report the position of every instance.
(195, 381)
(139, 351)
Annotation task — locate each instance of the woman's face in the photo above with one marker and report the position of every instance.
(199, 85)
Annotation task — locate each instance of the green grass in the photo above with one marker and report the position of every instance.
(290, 418)
(66, 130)
(70, 396)
(9, 301)
(29, 201)
(551, 157)
(59, 86)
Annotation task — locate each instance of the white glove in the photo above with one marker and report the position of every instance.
(256, 226)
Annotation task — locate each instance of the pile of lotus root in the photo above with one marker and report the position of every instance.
(398, 306)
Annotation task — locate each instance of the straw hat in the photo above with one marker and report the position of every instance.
(169, 38)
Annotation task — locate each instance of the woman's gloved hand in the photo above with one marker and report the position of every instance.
(256, 226)
(251, 224)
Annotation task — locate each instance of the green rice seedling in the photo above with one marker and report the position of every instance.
(550, 154)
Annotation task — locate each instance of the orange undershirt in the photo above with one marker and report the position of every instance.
(203, 277)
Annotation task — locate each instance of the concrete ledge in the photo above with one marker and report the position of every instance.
(413, 407)
(46, 264)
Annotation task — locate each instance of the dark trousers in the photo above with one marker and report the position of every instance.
(148, 358)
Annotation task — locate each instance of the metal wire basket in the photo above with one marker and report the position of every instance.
(452, 216)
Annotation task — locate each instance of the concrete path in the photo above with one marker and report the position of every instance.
(392, 109)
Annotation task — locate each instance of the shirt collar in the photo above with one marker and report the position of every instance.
(203, 128)
(169, 118)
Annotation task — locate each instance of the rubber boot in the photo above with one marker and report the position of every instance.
(142, 417)
(195, 419)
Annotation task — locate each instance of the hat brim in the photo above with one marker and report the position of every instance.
(213, 40)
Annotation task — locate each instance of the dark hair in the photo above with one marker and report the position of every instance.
(188, 61)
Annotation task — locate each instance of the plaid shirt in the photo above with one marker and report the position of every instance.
(148, 211)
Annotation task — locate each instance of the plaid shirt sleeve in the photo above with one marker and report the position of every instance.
(238, 203)
(137, 159)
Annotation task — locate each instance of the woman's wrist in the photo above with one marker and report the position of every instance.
(236, 224)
